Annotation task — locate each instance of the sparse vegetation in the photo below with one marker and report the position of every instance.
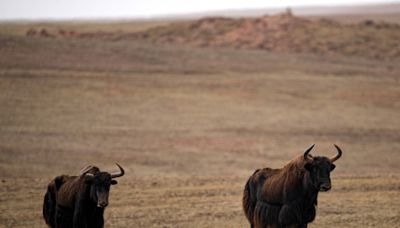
(283, 33)
(191, 124)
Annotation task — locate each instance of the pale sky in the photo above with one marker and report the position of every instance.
(92, 9)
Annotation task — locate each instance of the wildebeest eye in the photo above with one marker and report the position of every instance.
(333, 167)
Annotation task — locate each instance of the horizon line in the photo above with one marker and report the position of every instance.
(195, 14)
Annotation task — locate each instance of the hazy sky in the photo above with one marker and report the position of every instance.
(70, 9)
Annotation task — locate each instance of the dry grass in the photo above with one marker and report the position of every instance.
(209, 202)
(190, 125)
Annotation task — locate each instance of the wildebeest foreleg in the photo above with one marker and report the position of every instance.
(79, 219)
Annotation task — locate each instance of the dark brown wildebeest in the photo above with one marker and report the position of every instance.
(79, 201)
(287, 197)
(49, 204)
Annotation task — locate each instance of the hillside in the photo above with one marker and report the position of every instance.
(283, 33)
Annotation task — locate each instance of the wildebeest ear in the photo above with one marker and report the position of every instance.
(333, 167)
(307, 166)
(114, 182)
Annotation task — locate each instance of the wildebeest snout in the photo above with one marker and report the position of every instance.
(102, 204)
(102, 200)
(325, 187)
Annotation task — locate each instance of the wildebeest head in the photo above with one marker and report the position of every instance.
(320, 169)
(100, 183)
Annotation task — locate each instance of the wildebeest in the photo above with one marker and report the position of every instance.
(287, 197)
(79, 201)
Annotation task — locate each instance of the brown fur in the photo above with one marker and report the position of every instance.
(285, 197)
(69, 199)
(49, 204)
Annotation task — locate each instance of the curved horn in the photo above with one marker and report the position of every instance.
(118, 174)
(338, 155)
(307, 156)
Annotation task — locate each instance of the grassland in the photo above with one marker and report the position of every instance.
(190, 125)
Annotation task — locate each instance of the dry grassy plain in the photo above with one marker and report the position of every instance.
(190, 125)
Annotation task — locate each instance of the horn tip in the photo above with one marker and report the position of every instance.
(311, 147)
(121, 171)
(338, 155)
(119, 165)
(337, 147)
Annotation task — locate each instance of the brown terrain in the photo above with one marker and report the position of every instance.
(282, 33)
(191, 109)
(285, 33)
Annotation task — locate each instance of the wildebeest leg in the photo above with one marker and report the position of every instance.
(63, 217)
(79, 219)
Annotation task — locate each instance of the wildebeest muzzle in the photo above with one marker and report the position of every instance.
(102, 201)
